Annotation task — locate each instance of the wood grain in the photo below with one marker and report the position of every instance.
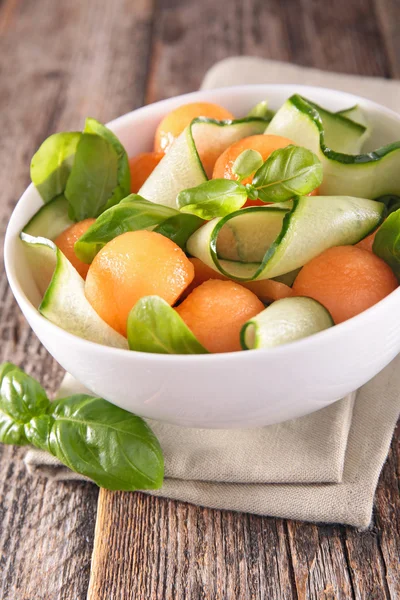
(57, 65)
(59, 62)
(175, 550)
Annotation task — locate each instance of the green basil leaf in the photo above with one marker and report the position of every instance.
(124, 177)
(11, 432)
(52, 164)
(93, 178)
(288, 172)
(38, 431)
(387, 242)
(132, 214)
(246, 163)
(179, 228)
(109, 445)
(21, 398)
(154, 326)
(261, 111)
(214, 198)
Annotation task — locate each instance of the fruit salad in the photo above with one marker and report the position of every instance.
(235, 232)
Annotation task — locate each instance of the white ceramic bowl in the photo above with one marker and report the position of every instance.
(243, 389)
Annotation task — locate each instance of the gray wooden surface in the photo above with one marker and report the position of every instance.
(59, 62)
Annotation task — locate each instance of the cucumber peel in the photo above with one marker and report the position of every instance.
(50, 220)
(181, 167)
(368, 175)
(64, 302)
(285, 321)
(267, 242)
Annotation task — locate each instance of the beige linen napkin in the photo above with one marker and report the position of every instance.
(323, 467)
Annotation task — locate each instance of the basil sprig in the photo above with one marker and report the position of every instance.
(90, 168)
(154, 326)
(287, 172)
(91, 436)
(131, 214)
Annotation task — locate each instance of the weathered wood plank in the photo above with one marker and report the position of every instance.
(388, 16)
(388, 517)
(319, 562)
(59, 62)
(190, 37)
(167, 550)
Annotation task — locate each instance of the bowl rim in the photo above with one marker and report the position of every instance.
(306, 344)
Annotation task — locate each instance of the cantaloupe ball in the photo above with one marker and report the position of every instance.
(141, 166)
(66, 242)
(133, 265)
(216, 311)
(346, 280)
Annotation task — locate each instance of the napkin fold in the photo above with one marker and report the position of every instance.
(323, 467)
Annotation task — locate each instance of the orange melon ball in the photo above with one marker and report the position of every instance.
(175, 122)
(66, 242)
(141, 166)
(216, 311)
(133, 265)
(346, 280)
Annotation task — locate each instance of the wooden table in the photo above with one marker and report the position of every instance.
(59, 62)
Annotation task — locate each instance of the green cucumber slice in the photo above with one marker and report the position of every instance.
(64, 302)
(181, 167)
(267, 242)
(338, 132)
(50, 220)
(368, 175)
(354, 113)
(285, 321)
(341, 133)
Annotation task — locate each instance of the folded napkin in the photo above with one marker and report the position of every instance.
(323, 467)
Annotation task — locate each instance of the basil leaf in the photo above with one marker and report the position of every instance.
(38, 431)
(124, 177)
(246, 163)
(133, 213)
(21, 398)
(51, 165)
(288, 172)
(179, 228)
(214, 198)
(261, 111)
(154, 326)
(387, 242)
(109, 445)
(93, 178)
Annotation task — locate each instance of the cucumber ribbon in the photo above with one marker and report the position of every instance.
(266, 242)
